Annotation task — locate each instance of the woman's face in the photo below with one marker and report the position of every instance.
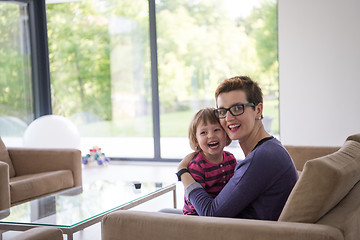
(242, 126)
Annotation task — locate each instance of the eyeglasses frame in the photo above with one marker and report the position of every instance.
(216, 111)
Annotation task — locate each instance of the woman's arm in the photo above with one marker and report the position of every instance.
(255, 191)
(232, 199)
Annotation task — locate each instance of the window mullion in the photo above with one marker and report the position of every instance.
(154, 80)
(40, 58)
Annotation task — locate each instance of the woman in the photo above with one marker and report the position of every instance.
(263, 181)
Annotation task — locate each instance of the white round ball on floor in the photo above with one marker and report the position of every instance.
(52, 131)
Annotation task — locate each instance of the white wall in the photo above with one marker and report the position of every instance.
(319, 71)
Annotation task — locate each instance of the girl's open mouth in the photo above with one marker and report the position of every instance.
(213, 144)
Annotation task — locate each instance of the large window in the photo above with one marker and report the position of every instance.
(130, 74)
(203, 42)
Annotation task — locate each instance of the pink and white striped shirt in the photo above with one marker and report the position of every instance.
(212, 177)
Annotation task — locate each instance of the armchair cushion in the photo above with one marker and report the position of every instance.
(4, 157)
(322, 184)
(40, 233)
(32, 185)
(30, 161)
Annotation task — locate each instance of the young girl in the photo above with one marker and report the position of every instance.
(211, 167)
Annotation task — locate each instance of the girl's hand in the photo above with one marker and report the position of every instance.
(186, 160)
(186, 178)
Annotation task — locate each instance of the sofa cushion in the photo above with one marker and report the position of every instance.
(4, 157)
(345, 216)
(324, 182)
(34, 185)
(355, 138)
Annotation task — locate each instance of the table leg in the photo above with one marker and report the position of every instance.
(1, 234)
(69, 236)
(174, 195)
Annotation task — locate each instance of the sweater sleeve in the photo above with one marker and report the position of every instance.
(232, 199)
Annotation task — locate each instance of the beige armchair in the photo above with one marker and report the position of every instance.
(26, 174)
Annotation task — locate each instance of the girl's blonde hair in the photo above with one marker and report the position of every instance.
(205, 116)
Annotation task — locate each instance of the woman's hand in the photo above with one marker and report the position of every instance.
(185, 162)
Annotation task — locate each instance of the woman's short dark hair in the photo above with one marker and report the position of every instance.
(252, 90)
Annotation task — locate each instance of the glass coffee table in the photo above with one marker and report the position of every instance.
(77, 208)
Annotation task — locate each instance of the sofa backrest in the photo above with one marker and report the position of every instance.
(324, 183)
(301, 154)
(4, 157)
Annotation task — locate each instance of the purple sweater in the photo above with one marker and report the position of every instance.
(259, 188)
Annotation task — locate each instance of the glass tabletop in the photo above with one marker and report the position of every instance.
(76, 205)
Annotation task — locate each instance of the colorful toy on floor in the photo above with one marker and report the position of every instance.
(95, 157)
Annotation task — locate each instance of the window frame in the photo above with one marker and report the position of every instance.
(39, 57)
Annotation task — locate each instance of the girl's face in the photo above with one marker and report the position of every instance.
(211, 138)
(242, 126)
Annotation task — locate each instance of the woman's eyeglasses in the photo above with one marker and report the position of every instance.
(235, 110)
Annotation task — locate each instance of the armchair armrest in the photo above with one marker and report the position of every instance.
(29, 161)
(4, 186)
(133, 225)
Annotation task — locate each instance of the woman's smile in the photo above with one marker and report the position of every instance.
(233, 127)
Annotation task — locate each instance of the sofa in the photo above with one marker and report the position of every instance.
(26, 174)
(324, 204)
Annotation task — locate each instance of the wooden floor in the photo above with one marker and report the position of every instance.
(130, 171)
